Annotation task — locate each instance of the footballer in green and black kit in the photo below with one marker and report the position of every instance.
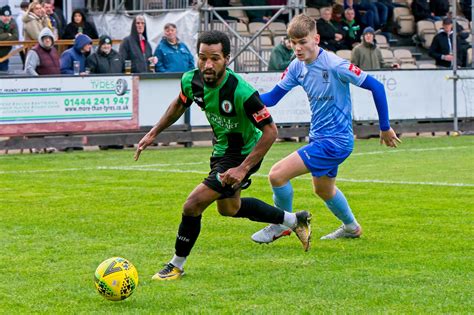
(236, 115)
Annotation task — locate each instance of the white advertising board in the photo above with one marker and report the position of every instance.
(65, 99)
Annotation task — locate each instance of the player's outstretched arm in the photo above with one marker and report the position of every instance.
(387, 134)
(172, 114)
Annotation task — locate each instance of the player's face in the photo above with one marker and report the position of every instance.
(212, 63)
(306, 48)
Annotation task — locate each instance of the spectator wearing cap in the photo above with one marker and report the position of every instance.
(173, 55)
(79, 52)
(34, 21)
(367, 55)
(79, 25)
(441, 48)
(135, 47)
(43, 58)
(281, 56)
(105, 59)
(8, 31)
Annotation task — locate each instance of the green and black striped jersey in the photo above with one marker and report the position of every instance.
(233, 109)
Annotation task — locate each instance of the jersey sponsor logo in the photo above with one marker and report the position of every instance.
(261, 115)
(356, 70)
(226, 106)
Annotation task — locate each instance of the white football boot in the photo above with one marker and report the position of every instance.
(270, 233)
(341, 232)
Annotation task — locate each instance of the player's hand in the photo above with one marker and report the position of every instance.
(389, 138)
(233, 176)
(143, 144)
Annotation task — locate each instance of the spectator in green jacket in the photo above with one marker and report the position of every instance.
(281, 56)
(8, 31)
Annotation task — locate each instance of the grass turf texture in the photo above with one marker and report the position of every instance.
(63, 214)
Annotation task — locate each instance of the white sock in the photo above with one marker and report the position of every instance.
(178, 261)
(351, 226)
(290, 219)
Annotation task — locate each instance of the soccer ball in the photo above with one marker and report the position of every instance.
(116, 278)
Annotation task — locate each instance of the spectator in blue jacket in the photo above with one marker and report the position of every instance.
(173, 55)
(79, 52)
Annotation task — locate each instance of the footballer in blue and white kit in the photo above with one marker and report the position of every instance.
(325, 78)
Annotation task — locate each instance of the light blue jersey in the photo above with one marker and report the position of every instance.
(326, 82)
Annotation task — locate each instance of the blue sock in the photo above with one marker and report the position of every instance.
(283, 197)
(340, 207)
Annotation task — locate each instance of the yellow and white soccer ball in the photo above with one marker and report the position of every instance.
(116, 278)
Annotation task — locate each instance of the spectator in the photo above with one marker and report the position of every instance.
(105, 59)
(79, 25)
(43, 58)
(441, 47)
(135, 47)
(172, 54)
(330, 33)
(368, 18)
(257, 15)
(34, 21)
(367, 55)
(8, 31)
(60, 15)
(421, 11)
(55, 20)
(19, 23)
(281, 55)
(79, 52)
(337, 14)
(351, 29)
(439, 7)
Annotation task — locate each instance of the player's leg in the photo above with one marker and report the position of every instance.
(259, 211)
(335, 200)
(279, 177)
(199, 199)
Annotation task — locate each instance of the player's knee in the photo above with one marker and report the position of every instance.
(192, 208)
(324, 193)
(227, 211)
(275, 177)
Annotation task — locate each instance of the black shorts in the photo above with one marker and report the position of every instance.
(222, 164)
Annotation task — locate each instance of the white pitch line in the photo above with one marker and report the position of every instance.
(307, 177)
(397, 150)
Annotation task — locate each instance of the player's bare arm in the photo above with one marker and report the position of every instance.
(172, 114)
(235, 175)
(389, 138)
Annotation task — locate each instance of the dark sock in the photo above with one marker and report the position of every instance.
(188, 233)
(257, 210)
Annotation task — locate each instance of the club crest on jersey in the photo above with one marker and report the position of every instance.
(355, 69)
(325, 76)
(226, 106)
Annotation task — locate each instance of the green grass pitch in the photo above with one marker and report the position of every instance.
(62, 214)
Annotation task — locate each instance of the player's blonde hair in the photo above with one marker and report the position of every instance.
(301, 26)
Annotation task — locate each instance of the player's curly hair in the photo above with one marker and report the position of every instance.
(301, 26)
(215, 37)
